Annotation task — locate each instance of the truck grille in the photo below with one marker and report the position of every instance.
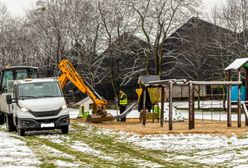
(45, 113)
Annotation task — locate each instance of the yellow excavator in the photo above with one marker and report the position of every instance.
(69, 73)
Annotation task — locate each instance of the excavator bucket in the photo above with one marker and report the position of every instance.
(95, 118)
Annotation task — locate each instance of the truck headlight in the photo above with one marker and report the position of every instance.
(64, 106)
(24, 109)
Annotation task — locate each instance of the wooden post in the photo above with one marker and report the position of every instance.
(162, 108)
(170, 106)
(239, 101)
(246, 83)
(246, 87)
(229, 103)
(144, 106)
(191, 106)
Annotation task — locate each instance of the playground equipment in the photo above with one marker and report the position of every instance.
(234, 95)
(155, 97)
(191, 90)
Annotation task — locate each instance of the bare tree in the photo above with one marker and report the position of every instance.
(158, 19)
(117, 18)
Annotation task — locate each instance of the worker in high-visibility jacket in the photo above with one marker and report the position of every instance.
(122, 102)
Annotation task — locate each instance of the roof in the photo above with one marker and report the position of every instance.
(20, 67)
(238, 63)
(37, 80)
(204, 24)
(145, 79)
(126, 40)
(85, 100)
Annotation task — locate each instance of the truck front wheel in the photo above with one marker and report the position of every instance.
(65, 129)
(21, 132)
(9, 123)
(1, 118)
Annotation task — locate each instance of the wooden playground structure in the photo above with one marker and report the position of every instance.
(235, 68)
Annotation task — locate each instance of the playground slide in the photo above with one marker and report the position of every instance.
(245, 109)
(126, 112)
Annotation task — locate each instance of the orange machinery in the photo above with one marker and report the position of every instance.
(69, 73)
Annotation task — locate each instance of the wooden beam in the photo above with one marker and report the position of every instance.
(191, 106)
(170, 105)
(246, 86)
(144, 107)
(183, 82)
(162, 107)
(239, 101)
(229, 103)
(216, 82)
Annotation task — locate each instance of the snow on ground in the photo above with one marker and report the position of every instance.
(56, 152)
(194, 148)
(73, 113)
(77, 145)
(203, 104)
(203, 149)
(181, 105)
(197, 149)
(82, 147)
(61, 163)
(14, 152)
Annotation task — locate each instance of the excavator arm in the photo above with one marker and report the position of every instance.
(69, 73)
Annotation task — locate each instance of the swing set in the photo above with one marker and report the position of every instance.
(233, 95)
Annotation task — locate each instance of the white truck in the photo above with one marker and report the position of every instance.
(34, 104)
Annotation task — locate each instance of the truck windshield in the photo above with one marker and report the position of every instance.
(38, 90)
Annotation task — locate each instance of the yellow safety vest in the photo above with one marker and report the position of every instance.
(139, 92)
(123, 101)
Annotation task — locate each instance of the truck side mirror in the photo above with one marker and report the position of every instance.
(8, 99)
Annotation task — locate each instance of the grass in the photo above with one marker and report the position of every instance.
(123, 154)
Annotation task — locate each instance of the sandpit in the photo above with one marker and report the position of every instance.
(201, 127)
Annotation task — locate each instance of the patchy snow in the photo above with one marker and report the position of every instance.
(178, 143)
(56, 152)
(14, 152)
(145, 163)
(242, 166)
(55, 137)
(73, 113)
(61, 163)
(193, 148)
(84, 148)
(203, 149)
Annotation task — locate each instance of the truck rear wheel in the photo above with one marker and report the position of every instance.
(2, 118)
(65, 130)
(9, 123)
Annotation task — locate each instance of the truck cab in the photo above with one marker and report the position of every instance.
(36, 104)
(8, 74)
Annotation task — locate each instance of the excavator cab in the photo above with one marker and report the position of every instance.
(11, 73)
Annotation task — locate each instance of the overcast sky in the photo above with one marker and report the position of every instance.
(18, 7)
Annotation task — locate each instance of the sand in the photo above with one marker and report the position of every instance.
(201, 127)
